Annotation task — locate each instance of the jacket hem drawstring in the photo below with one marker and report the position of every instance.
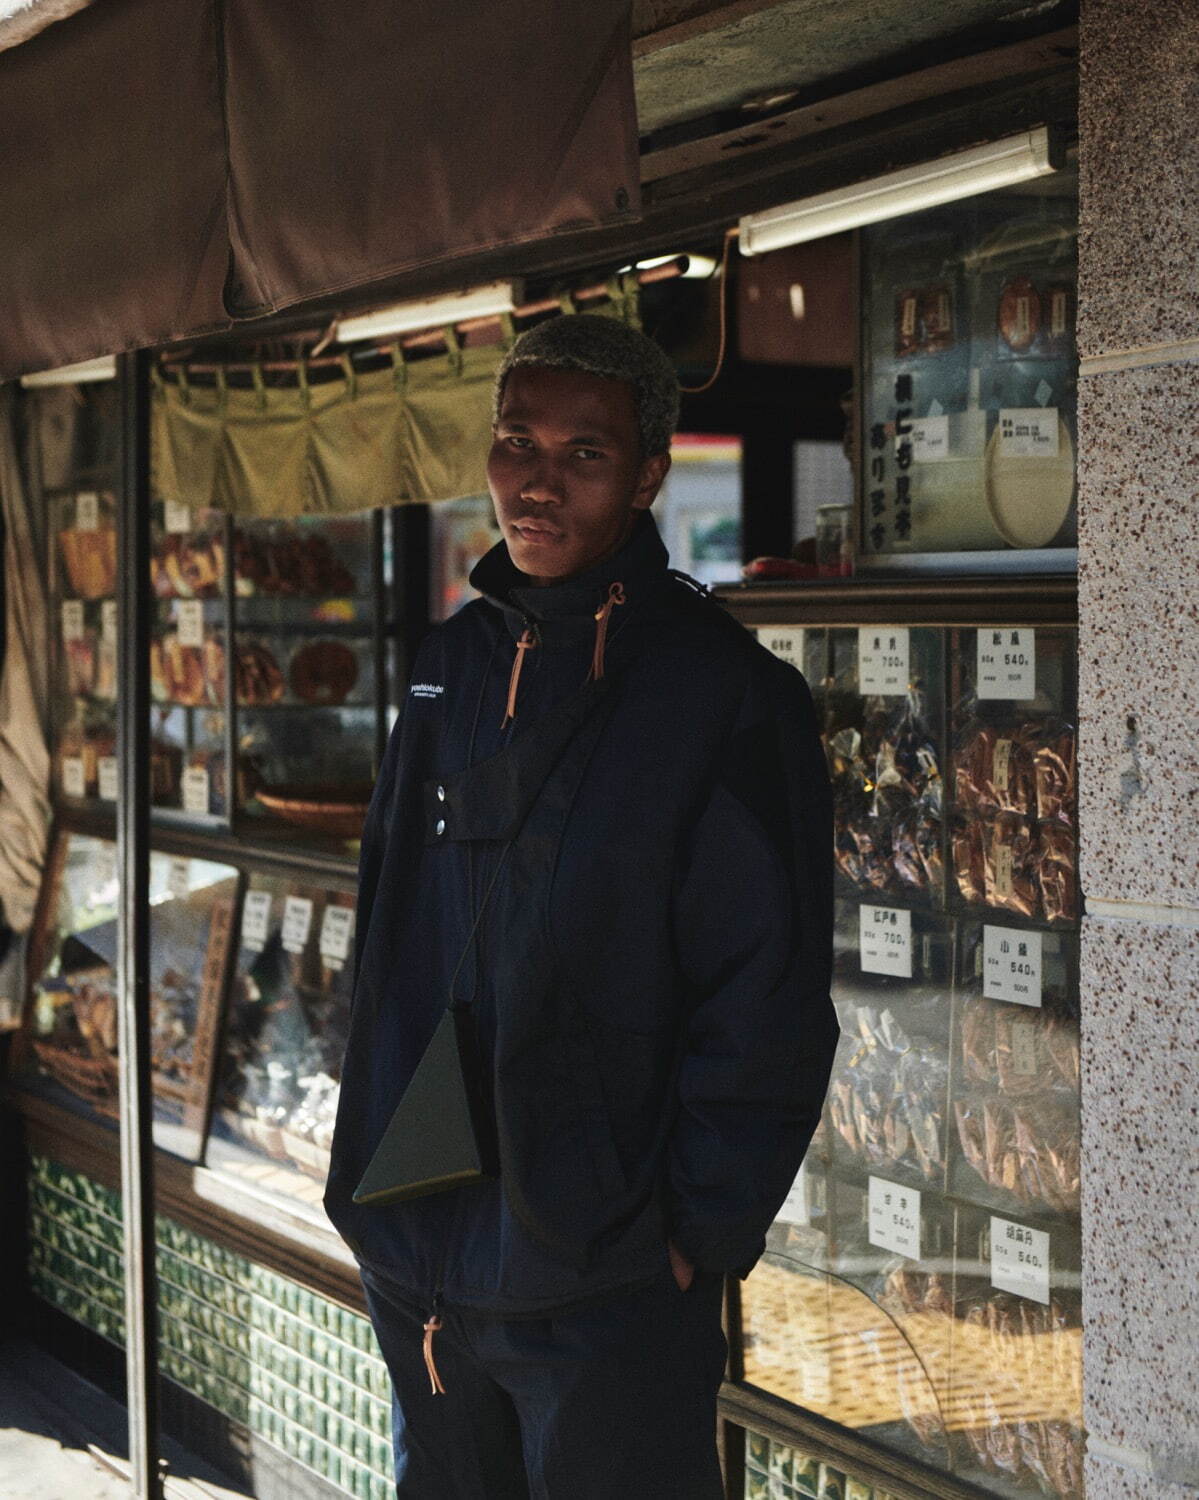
(431, 1327)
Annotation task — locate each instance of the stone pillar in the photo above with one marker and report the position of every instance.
(1139, 738)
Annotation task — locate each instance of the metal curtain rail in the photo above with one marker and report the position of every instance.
(133, 929)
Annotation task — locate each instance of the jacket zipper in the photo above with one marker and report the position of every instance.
(433, 1323)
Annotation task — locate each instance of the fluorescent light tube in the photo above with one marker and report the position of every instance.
(104, 368)
(979, 170)
(432, 312)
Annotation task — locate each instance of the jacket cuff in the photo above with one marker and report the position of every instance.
(731, 1252)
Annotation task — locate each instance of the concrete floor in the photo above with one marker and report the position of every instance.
(48, 1418)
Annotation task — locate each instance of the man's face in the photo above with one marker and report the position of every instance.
(565, 470)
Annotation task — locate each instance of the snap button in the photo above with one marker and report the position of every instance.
(440, 827)
(441, 794)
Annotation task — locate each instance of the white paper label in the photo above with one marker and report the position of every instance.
(1004, 885)
(1022, 1035)
(109, 780)
(894, 1217)
(87, 511)
(176, 517)
(1028, 432)
(255, 920)
(1012, 965)
(337, 928)
(885, 940)
(297, 922)
(195, 790)
(179, 878)
(884, 653)
(930, 439)
(1020, 1260)
(72, 619)
(74, 784)
(795, 1205)
(189, 622)
(1007, 663)
(1042, 393)
(786, 641)
(108, 620)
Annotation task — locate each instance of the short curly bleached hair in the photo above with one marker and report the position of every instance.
(611, 348)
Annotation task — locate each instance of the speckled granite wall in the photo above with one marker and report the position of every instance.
(1139, 727)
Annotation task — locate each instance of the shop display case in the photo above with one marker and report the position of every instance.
(969, 378)
(69, 1052)
(920, 1289)
(298, 709)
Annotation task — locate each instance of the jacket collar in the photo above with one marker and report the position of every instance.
(563, 613)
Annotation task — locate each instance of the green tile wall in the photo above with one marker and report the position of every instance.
(293, 1367)
(774, 1471)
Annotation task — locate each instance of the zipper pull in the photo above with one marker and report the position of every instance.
(432, 1324)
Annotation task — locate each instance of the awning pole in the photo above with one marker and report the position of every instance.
(133, 946)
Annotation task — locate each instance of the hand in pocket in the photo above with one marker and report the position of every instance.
(680, 1265)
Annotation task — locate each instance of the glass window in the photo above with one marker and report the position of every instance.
(970, 373)
(73, 1027)
(277, 1083)
(698, 510)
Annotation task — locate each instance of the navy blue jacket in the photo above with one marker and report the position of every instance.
(651, 971)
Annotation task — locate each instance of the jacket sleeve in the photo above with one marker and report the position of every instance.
(753, 925)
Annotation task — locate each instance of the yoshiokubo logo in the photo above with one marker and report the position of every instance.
(426, 689)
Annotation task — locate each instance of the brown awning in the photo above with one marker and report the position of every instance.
(169, 166)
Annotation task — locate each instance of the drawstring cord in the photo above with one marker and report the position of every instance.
(523, 646)
(616, 595)
(431, 1328)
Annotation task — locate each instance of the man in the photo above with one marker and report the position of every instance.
(641, 921)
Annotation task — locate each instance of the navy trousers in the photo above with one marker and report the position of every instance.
(613, 1397)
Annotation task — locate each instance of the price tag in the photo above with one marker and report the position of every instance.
(1012, 965)
(795, 1205)
(1020, 1260)
(785, 641)
(72, 619)
(884, 656)
(87, 511)
(894, 1217)
(930, 439)
(885, 940)
(179, 878)
(1028, 432)
(189, 622)
(176, 517)
(109, 781)
(74, 783)
(1007, 664)
(337, 929)
(297, 922)
(108, 620)
(255, 920)
(196, 789)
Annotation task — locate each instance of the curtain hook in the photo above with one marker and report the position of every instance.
(259, 383)
(566, 302)
(399, 366)
(222, 386)
(507, 329)
(453, 346)
(185, 389)
(302, 379)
